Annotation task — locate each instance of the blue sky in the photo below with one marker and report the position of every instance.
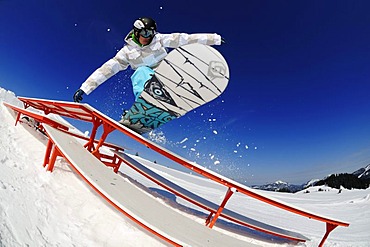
(297, 105)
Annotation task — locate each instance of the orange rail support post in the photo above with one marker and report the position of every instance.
(17, 119)
(49, 147)
(107, 130)
(90, 144)
(229, 193)
(56, 152)
(329, 227)
(117, 163)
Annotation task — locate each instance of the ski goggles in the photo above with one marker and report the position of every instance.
(146, 33)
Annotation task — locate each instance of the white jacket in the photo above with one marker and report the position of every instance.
(151, 55)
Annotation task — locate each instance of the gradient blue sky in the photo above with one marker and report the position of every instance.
(297, 106)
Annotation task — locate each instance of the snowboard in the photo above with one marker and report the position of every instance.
(190, 76)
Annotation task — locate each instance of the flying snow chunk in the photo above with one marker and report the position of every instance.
(108, 30)
(184, 140)
(216, 162)
(157, 136)
(246, 147)
(215, 132)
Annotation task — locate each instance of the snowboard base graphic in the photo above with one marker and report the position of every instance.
(190, 76)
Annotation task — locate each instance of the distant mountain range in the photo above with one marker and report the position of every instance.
(359, 179)
(280, 186)
(363, 173)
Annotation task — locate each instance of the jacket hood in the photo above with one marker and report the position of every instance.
(128, 38)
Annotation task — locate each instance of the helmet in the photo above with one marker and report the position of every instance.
(145, 26)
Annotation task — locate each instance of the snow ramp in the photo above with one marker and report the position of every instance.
(138, 205)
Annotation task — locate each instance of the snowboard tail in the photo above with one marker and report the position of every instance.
(144, 117)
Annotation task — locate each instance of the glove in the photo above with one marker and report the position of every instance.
(77, 97)
(223, 41)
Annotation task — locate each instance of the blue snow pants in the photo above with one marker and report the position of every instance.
(138, 79)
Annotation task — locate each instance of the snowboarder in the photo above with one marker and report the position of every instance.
(143, 51)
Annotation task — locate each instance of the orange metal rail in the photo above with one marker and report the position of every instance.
(87, 113)
(214, 209)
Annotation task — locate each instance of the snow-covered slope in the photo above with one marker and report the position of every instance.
(38, 208)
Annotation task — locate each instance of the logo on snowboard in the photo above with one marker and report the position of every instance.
(216, 70)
